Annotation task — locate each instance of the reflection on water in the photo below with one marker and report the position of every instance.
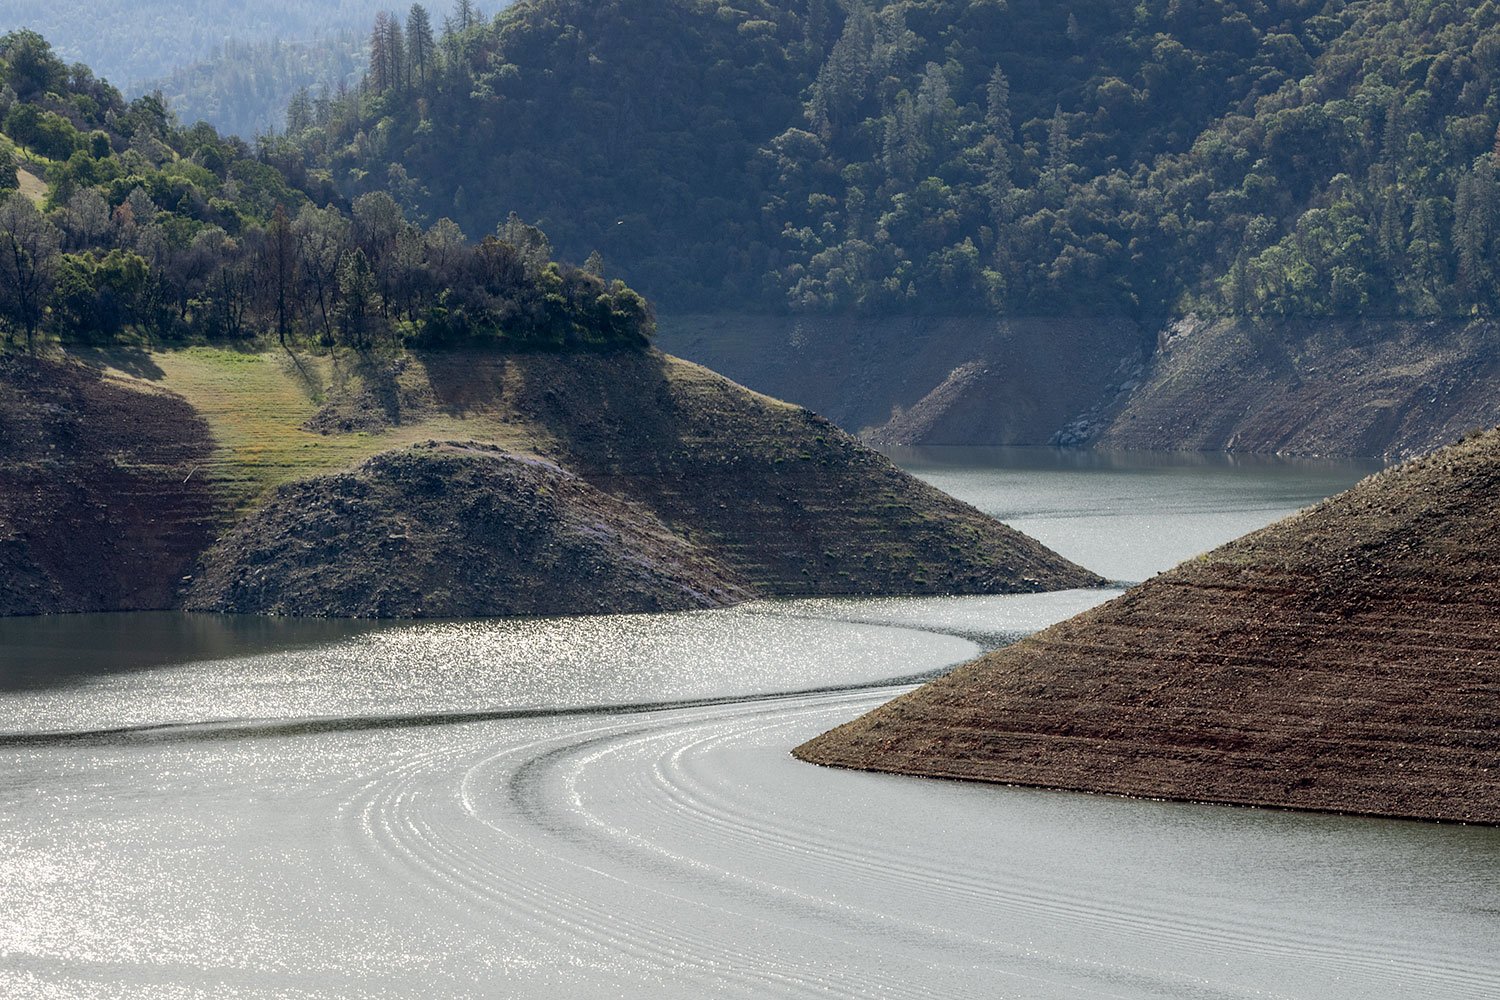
(553, 851)
(54, 650)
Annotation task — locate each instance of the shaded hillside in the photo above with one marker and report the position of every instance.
(454, 530)
(835, 157)
(246, 88)
(1018, 381)
(1385, 388)
(1347, 658)
(103, 506)
(1282, 162)
(1284, 159)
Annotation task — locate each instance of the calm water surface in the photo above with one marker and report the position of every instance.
(201, 806)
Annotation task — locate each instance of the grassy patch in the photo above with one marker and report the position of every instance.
(256, 405)
(32, 186)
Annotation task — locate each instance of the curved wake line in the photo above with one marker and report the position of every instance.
(232, 729)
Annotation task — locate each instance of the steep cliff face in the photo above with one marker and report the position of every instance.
(1347, 658)
(103, 505)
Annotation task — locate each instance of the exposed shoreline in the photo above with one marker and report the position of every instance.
(1346, 659)
(461, 483)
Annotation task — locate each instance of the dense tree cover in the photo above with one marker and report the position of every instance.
(1367, 186)
(154, 232)
(132, 41)
(1290, 157)
(245, 88)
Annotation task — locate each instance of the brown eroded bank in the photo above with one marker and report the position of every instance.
(456, 484)
(1345, 659)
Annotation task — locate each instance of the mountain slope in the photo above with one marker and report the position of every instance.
(826, 157)
(1347, 659)
(132, 41)
(1278, 163)
(622, 482)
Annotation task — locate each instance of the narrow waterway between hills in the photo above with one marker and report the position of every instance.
(197, 806)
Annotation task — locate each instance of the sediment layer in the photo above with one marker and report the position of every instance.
(1344, 659)
(102, 503)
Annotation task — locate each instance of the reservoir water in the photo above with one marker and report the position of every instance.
(200, 806)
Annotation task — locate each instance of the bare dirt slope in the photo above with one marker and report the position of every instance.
(645, 482)
(1371, 387)
(1379, 388)
(787, 500)
(448, 530)
(1347, 659)
(103, 506)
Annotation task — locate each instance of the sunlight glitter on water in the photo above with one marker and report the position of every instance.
(670, 852)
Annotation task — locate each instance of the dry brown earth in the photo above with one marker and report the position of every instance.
(1345, 659)
(584, 483)
(449, 530)
(102, 501)
(1372, 387)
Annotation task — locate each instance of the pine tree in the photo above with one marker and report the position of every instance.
(997, 118)
(1473, 224)
(395, 53)
(1425, 251)
(1238, 292)
(299, 113)
(379, 77)
(934, 105)
(902, 149)
(1393, 136)
(465, 16)
(816, 25)
(421, 50)
(1058, 146)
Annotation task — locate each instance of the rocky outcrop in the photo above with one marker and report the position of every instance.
(103, 505)
(1346, 659)
(455, 530)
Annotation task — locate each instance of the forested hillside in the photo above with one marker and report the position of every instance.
(129, 42)
(1291, 157)
(118, 226)
(245, 88)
